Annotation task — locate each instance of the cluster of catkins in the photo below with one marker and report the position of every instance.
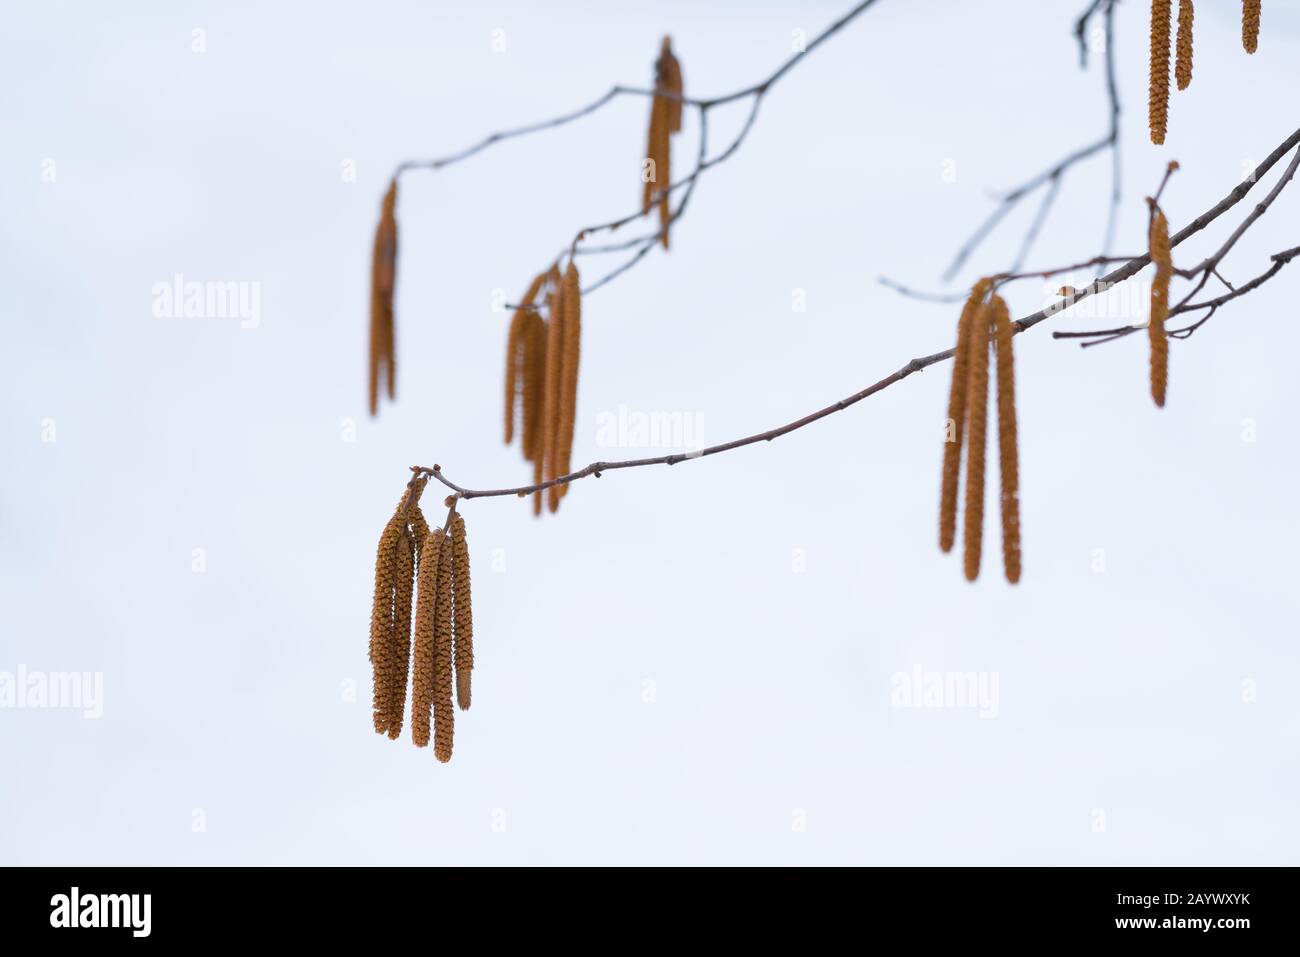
(665, 119)
(1161, 16)
(985, 324)
(383, 279)
(443, 653)
(542, 357)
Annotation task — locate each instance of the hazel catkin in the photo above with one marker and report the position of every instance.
(977, 398)
(1183, 49)
(443, 716)
(425, 610)
(383, 280)
(957, 417)
(1008, 454)
(1158, 93)
(1160, 255)
(571, 344)
(1250, 10)
(463, 619)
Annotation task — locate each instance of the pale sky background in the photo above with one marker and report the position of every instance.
(1121, 734)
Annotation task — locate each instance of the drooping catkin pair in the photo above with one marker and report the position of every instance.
(665, 119)
(542, 360)
(1161, 256)
(400, 547)
(383, 280)
(985, 323)
(444, 639)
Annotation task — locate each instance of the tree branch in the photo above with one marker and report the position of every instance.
(1129, 269)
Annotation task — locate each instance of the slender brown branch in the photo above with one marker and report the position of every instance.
(1129, 269)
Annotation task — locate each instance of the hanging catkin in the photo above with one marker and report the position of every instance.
(957, 417)
(670, 78)
(443, 715)
(1159, 307)
(977, 398)
(551, 391)
(390, 621)
(1250, 10)
(383, 279)
(463, 623)
(1008, 455)
(1158, 97)
(534, 360)
(571, 333)
(517, 356)
(1183, 57)
(422, 673)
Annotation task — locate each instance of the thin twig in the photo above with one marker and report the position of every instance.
(1124, 272)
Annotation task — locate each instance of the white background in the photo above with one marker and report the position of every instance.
(1121, 735)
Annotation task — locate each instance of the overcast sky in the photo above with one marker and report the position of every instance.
(695, 665)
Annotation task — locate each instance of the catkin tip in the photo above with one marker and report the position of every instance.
(1250, 11)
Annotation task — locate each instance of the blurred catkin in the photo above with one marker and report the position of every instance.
(383, 278)
(517, 344)
(551, 391)
(1183, 55)
(463, 624)
(1250, 10)
(1160, 255)
(571, 344)
(534, 360)
(670, 78)
(1158, 95)
(443, 716)
(977, 397)
(426, 602)
(957, 417)
(1008, 455)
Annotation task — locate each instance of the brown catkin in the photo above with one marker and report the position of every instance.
(1008, 454)
(383, 279)
(394, 566)
(1250, 10)
(517, 346)
(514, 346)
(534, 359)
(651, 176)
(571, 345)
(553, 397)
(1183, 49)
(443, 716)
(422, 672)
(1158, 96)
(463, 624)
(1159, 307)
(381, 618)
(957, 418)
(977, 398)
(670, 78)
(399, 648)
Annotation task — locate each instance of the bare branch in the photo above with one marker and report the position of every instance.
(1129, 269)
